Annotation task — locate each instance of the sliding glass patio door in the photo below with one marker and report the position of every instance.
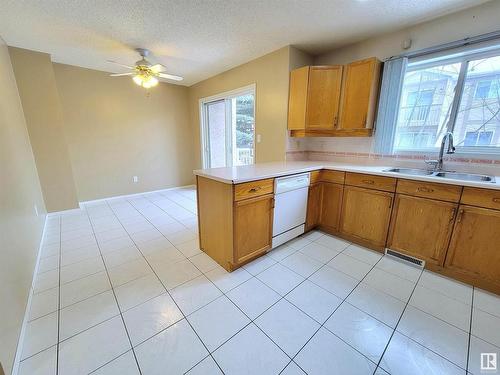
(228, 129)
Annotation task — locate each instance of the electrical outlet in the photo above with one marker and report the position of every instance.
(259, 138)
(135, 179)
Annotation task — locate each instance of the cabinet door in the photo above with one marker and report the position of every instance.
(475, 244)
(253, 221)
(331, 205)
(366, 214)
(297, 99)
(313, 206)
(323, 97)
(421, 227)
(359, 94)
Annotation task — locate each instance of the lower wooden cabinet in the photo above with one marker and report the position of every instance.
(331, 203)
(475, 245)
(365, 215)
(313, 206)
(253, 227)
(421, 227)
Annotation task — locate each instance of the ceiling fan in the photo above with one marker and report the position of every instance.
(143, 72)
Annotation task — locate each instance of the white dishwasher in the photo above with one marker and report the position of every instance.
(290, 207)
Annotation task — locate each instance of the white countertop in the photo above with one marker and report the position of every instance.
(236, 175)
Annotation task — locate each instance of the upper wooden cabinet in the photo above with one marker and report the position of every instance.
(314, 97)
(334, 100)
(359, 96)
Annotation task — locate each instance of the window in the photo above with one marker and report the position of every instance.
(460, 94)
(228, 128)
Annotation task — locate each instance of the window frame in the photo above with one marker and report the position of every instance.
(226, 96)
(464, 57)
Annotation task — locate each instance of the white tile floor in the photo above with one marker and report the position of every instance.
(124, 289)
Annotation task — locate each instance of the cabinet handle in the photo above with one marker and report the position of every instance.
(424, 189)
(460, 214)
(452, 216)
(368, 182)
(496, 200)
(335, 122)
(390, 203)
(272, 202)
(254, 189)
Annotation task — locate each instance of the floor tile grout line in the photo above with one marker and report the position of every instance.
(437, 318)
(470, 328)
(254, 276)
(116, 299)
(167, 291)
(322, 325)
(184, 316)
(399, 320)
(283, 297)
(59, 298)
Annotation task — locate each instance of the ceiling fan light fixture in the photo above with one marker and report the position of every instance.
(146, 81)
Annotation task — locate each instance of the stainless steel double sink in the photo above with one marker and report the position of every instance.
(443, 174)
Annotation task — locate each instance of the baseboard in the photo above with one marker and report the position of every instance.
(17, 357)
(135, 194)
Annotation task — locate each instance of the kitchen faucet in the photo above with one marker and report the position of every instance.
(438, 164)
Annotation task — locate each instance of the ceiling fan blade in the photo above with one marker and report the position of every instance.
(117, 63)
(157, 68)
(121, 74)
(170, 76)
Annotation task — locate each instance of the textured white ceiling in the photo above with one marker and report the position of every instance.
(200, 38)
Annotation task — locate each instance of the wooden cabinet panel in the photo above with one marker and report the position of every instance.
(297, 99)
(366, 214)
(481, 197)
(331, 204)
(421, 227)
(359, 95)
(313, 206)
(337, 177)
(253, 189)
(315, 176)
(475, 244)
(323, 97)
(449, 193)
(253, 222)
(371, 181)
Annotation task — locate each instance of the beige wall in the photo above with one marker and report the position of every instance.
(270, 75)
(20, 228)
(116, 130)
(470, 22)
(42, 109)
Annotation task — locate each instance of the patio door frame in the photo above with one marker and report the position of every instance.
(230, 112)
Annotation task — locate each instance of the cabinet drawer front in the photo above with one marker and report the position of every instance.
(336, 177)
(449, 193)
(253, 189)
(481, 197)
(371, 181)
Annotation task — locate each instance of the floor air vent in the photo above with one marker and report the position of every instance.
(406, 258)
